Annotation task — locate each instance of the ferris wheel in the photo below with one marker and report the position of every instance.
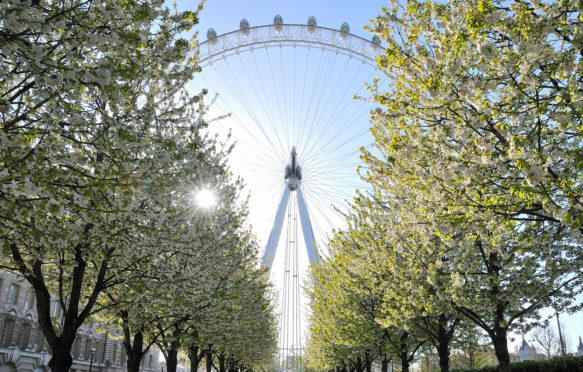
(286, 93)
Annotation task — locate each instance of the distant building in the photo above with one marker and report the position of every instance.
(580, 348)
(23, 347)
(526, 352)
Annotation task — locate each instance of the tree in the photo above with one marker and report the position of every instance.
(350, 325)
(100, 146)
(497, 84)
(479, 152)
(471, 347)
(343, 330)
(239, 327)
(384, 260)
(547, 339)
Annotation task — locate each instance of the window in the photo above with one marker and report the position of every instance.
(87, 353)
(77, 347)
(40, 341)
(25, 336)
(12, 294)
(55, 310)
(28, 300)
(114, 353)
(7, 332)
(98, 351)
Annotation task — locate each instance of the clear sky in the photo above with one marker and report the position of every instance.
(225, 15)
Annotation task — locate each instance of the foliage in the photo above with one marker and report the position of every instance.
(476, 169)
(496, 86)
(565, 364)
(101, 153)
(477, 154)
(471, 347)
(348, 322)
(239, 326)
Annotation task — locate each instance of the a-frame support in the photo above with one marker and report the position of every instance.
(293, 176)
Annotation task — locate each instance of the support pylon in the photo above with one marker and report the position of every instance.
(290, 338)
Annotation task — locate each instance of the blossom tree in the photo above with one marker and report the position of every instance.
(226, 308)
(344, 327)
(243, 327)
(99, 147)
(497, 86)
(478, 153)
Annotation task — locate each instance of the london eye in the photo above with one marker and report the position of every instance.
(293, 98)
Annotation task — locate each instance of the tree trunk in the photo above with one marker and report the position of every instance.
(209, 359)
(194, 357)
(385, 365)
(61, 360)
(443, 351)
(367, 363)
(134, 352)
(403, 353)
(221, 363)
(232, 366)
(404, 362)
(443, 338)
(172, 356)
(73, 317)
(501, 348)
(359, 366)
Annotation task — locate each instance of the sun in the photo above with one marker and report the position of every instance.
(205, 198)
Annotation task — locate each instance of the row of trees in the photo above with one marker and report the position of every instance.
(101, 155)
(474, 216)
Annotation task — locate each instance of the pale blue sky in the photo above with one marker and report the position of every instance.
(225, 15)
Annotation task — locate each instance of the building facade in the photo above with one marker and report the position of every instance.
(526, 352)
(23, 347)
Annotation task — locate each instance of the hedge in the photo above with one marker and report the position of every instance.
(566, 364)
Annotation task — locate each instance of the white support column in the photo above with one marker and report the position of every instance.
(307, 227)
(271, 246)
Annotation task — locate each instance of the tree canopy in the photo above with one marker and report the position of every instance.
(101, 153)
(476, 169)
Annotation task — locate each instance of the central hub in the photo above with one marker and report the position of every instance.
(293, 172)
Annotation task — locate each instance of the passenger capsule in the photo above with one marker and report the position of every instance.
(376, 40)
(312, 24)
(344, 30)
(277, 23)
(244, 27)
(211, 35)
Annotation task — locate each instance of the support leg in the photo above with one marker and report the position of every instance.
(273, 240)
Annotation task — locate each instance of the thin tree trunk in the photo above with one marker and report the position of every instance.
(359, 366)
(367, 363)
(209, 359)
(385, 365)
(221, 364)
(195, 357)
(403, 353)
(232, 366)
(443, 338)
